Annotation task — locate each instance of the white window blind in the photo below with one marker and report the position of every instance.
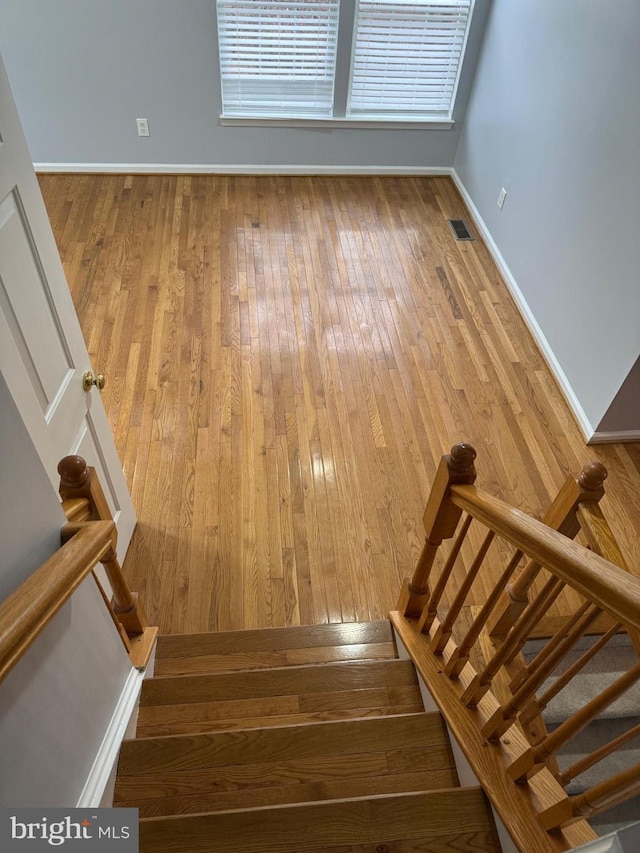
(407, 56)
(277, 59)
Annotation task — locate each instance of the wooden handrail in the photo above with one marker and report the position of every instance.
(28, 610)
(608, 586)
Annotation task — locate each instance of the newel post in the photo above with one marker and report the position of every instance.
(440, 520)
(78, 480)
(562, 516)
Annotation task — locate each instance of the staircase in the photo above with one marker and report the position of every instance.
(316, 739)
(294, 739)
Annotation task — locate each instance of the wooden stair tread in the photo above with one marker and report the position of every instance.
(226, 725)
(296, 739)
(300, 771)
(451, 819)
(301, 792)
(277, 710)
(285, 681)
(239, 660)
(274, 639)
(273, 647)
(288, 743)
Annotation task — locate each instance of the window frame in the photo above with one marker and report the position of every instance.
(346, 42)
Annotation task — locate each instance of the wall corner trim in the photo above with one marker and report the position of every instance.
(579, 413)
(617, 437)
(104, 764)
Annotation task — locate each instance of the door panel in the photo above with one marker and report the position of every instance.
(42, 352)
(27, 304)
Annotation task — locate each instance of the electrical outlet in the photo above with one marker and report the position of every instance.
(143, 126)
(501, 197)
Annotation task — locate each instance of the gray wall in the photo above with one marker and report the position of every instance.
(554, 117)
(56, 704)
(30, 514)
(82, 71)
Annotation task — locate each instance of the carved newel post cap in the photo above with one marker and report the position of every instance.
(461, 457)
(73, 471)
(592, 476)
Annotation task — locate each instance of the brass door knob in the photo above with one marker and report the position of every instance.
(88, 380)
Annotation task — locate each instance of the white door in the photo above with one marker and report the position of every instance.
(42, 352)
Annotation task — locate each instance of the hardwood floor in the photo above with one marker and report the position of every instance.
(287, 359)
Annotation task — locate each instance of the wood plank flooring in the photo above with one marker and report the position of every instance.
(287, 359)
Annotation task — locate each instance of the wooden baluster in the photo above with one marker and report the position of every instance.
(608, 748)
(504, 716)
(515, 600)
(513, 643)
(440, 521)
(533, 759)
(528, 670)
(598, 799)
(445, 629)
(561, 682)
(126, 604)
(117, 623)
(431, 610)
(562, 516)
(78, 480)
(460, 656)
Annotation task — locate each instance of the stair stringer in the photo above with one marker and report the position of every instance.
(465, 772)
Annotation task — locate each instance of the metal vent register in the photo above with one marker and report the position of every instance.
(460, 229)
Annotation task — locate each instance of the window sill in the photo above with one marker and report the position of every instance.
(361, 122)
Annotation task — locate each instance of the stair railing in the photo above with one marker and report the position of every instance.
(83, 501)
(474, 667)
(30, 608)
(88, 539)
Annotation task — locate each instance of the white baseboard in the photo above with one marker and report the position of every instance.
(574, 404)
(103, 769)
(618, 437)
(229, 169)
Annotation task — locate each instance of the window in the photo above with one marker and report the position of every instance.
(278, 58)
(341, 60)
(406, 57)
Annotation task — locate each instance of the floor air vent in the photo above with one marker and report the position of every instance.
(460, 229)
